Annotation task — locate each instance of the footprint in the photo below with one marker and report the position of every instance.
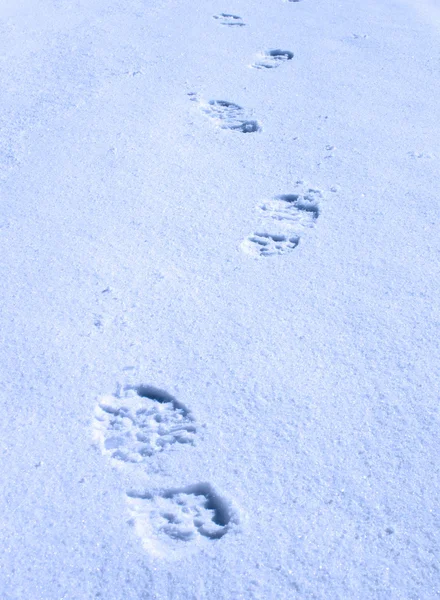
(266, 244)
(230, 20)
(170, 522)
(272, 59)
(415, 154)
(228, 115)
(139, 421)
(284, 220)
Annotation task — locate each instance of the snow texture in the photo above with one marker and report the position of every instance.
(219, 370)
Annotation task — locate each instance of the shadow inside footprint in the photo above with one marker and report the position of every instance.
(307, 202)
(246, 127)
(223, 109)
(153, 393)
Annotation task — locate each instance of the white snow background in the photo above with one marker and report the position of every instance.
(183, 414)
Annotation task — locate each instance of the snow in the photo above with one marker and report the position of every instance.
(220, 299)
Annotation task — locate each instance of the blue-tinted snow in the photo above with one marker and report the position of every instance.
(132, 186)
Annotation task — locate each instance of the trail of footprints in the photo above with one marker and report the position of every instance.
(226, 114)
(286, 218)
(140, 421)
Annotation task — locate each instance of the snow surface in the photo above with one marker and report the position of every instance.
(220, 299)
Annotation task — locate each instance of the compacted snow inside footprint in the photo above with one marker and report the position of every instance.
(133, 424)
(180, 520)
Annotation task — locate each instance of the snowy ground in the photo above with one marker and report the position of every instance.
(220, 299)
